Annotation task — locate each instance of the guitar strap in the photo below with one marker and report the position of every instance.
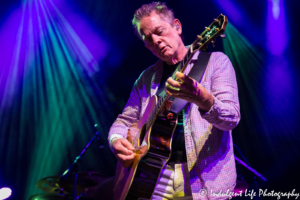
(196, 73)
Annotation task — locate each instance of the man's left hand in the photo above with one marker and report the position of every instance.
(190, 90)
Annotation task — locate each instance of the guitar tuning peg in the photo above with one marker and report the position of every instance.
(207, 28)
(213, 42)
(199, 43)
(223, 35)
(200, 37)
(216, 20)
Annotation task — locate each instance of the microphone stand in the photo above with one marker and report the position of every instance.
(256, 174)
(74, 168)
(251, 169)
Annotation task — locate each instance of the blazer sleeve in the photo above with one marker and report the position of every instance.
(225, 113)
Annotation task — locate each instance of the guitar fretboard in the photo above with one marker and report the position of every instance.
(164, 95)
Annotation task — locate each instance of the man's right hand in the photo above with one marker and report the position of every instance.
(124, 151)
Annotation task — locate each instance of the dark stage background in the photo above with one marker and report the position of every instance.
(67, 65)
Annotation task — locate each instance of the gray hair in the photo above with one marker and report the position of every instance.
(161, 9)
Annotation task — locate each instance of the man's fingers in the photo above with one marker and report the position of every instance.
(184, 79)
(127, 145)
(172, 83)
(185, 87)
(180, 75)
(125, 157)
(123, 146)
(125, 160)
(123, 150)
(183, 82)
(172, 89)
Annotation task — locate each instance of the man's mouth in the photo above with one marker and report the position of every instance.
(162, 49)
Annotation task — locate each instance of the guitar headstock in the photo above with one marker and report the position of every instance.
(210, 34)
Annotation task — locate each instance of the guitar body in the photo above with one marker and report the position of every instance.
(139, 180)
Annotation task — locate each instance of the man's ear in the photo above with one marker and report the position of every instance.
(177, 26)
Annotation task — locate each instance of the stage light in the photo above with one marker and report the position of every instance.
(51, 54)
(275, 8)
(5, 192)
(279, 73)
(277, 37)
(231, 10)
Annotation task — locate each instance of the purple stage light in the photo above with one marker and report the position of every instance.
(5, 192)
(279, 77)
(9, 32)
(81, 35)
(39, 29)
(277, 37)
(275, 8)
(231, 10)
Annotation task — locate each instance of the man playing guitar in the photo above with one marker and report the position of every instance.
(202, 162)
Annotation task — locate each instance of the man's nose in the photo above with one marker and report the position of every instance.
(156, 39)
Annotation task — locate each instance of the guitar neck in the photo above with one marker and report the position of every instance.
(164, 95)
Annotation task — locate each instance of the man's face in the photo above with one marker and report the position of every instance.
(160, 37)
